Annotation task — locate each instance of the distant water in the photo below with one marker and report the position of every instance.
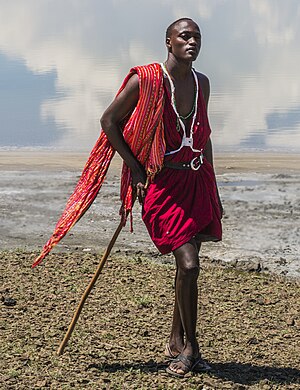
(61, 64)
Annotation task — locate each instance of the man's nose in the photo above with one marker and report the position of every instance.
(193, 41)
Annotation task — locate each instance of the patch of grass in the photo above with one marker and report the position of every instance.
(13, 373)
(144, 301)
(72, 288)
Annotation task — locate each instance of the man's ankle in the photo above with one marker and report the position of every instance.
(192, 347)
(176, 344)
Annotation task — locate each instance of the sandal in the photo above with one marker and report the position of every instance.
(202, 366)
(168, 352)
(189, 364)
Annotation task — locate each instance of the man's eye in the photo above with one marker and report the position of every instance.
(185, 36)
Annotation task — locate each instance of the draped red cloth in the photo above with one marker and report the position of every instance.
(183, 203)
(143, 132)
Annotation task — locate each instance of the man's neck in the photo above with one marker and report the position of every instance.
(178, 70)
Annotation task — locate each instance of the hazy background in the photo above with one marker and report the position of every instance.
(62, 61)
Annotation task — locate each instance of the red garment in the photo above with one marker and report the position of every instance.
(182, 203)
(143, 132)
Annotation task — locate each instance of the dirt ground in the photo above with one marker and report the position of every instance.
(248, 325)
(249, 306)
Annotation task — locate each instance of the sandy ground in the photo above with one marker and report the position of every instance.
(260, 194)
(248, 326)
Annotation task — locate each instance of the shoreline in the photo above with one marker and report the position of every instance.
(269, 162)
(260, 195)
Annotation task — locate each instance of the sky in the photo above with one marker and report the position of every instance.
(61, 63)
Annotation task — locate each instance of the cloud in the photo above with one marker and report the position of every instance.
(276, 23)
(250, 51)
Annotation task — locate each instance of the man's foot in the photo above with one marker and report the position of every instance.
(170, 353)
(173, 348)
(182, 365)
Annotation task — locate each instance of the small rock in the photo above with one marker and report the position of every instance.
(251, 265)
(290, 321)
(281, 261)
(41, 384)
(252, 340)
(7, 301)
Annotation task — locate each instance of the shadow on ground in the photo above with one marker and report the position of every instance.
(244, 374)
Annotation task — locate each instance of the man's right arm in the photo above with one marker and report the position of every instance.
(110, 121)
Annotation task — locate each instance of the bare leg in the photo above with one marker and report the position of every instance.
(187, 261)
(176, 341)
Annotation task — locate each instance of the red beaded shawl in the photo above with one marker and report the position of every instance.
(144, 133)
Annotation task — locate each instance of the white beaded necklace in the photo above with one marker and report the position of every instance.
(186, 141)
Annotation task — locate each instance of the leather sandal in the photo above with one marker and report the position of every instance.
(189, 364)
(168, 352)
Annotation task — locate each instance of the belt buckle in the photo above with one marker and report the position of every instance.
(196, 162)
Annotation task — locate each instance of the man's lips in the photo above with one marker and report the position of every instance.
(192, 49)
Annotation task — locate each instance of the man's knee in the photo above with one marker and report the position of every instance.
(189, 266)
(187, 260)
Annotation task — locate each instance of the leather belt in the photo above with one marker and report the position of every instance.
(194, 164)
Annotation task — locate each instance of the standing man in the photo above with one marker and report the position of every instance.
(180, 202)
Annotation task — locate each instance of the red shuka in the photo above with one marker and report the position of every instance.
(183, 203)
(143, 132)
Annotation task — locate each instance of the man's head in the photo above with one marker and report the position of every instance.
(183, 39)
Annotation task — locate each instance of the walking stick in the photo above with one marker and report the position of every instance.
(76, 315)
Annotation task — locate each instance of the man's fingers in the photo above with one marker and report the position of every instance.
(141, 193)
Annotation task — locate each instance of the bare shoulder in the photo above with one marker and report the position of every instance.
(205, 85)
(203, 79)
(130, 91)
(124, 103)
(133, 83)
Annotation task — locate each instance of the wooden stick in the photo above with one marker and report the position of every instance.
(76, 315)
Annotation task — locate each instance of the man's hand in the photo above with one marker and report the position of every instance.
(222, 212)
(138, 183)
(140, 192)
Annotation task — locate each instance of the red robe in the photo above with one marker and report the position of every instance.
(182, 203)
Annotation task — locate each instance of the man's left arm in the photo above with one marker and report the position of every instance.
(208, 152)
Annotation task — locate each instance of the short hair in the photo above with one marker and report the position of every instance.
(172, 25)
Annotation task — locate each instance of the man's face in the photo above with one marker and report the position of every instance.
(185, 40)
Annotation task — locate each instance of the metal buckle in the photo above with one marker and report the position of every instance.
(196, 162)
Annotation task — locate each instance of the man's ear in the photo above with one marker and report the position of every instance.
(168, 43)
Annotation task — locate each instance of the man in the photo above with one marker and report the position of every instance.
(181, 205)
